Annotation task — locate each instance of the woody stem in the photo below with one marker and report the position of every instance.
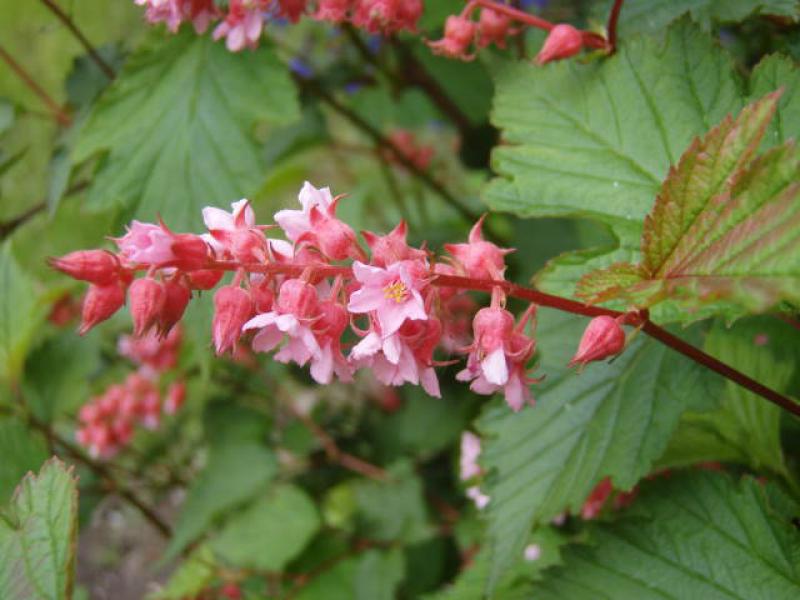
(557, 302)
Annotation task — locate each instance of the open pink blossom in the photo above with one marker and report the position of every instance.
(146, 243)
(297, 222)
(243, 25)
(392, 247)
(235, 234)
(393, 294)
(470, 451)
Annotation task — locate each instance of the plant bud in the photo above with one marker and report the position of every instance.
(176, 396)
(336, 239)
(100, 303)
(95, 266)
(492, 27)
(458, 35)
(176, 299)
(232, 308)
(191, 252)
(147, 298)
(492, 328)
(204, 279)
(603, 337)
(563, 41)
(261, 293)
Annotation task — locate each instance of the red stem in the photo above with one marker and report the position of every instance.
(543, 299)
(611, 28)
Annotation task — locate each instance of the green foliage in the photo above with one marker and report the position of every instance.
(270, 532)
(613, 420)
(22, 450)
(374, 575)
(37, 536)
(20, 315)
(190, 578)
(694, 535)
(178, 127)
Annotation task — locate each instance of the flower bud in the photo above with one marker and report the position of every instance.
(458, 35)
(563, 41)
(298, 298)
(333, 10)
(232, 308)
(492, 328)
(190, 251)
(335, 239)
(603, 337)
(147, 297)
(176, 299)
(176, 396)
(261, 293)
(492, 27)
(95, 266)
(204, 279)
(100, 303)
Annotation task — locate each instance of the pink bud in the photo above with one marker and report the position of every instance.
(563, 41)
(597, 498)
(176, 396)
(100, 303)
(248, 245)
(335, 239)
(95, 266)
(298, 298)
(232, 308)
(492, 328)
(176, 299)
(147, 297)
(204, 279)
(603, 337)
(262, 295)
(292, 9)
(333, 10)
(408, 13)
(492, 27)
(191, 252)
(458, 35)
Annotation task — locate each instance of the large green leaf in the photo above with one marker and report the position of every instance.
(20, 314)
(21, 449)
(37, 536)
(697, 535)
(374, 575)
(773, 73)
(613, 420)
(178, 127)
(723, 228)
(271, 531)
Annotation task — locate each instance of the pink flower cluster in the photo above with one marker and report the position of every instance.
(242, 22)
(387, 311)
(108, 422)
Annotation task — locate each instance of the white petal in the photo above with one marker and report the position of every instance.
(494, 367)
(261, 320)
(216, 218)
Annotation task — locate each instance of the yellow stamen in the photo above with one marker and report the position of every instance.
(396, 291)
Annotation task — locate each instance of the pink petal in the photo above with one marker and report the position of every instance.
(216, 218)
(322, 366)
(366, 347)
(261, 320)
(430, 383)
(266, 339)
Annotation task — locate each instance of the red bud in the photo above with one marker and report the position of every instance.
(603, 337)
(176, 298)
(100, 303)
(147, 298)
(95, 266)
(191, 252)
(563, 41)
(204, 279)
(232, 308)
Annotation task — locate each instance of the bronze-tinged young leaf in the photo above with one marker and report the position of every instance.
(710, 166)
(605, 284)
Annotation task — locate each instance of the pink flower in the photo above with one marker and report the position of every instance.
(232, 308)
(602, 338)
(99, 304)
(333, 10)
(328, 330)
(480, 259)
(147, 297)
(297, 222)
(393, 294)
(493, 27)
(243, 25)
(334, 238)
(235, 233)
(95, 266)
(294, 313)
(459, 32)
(391, 248)
(146, 244)
(498, 357)
(480, 499)
(470, 451)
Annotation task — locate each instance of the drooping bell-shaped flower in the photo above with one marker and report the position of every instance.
(480, 259)
(99, 304)
(232, 308)
(459, 32)
(493, 27)
(95, 266)
(147, 297)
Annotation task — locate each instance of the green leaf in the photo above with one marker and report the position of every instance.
(38, 534)
(745, 429)
(393, 509)
(20, 315)
(235, 473)
(575, 131)
(271, 531)
(374, 575)
(695, 535)
(773, 73)
(178, 127)
(654, 15)
(190, 578)
(22, 450)
(613, 420)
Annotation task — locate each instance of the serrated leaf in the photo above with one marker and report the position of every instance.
(374, 575)
(22, 450)
(38, 535)
(773, 73)
(695, 535)
(270, 532)
(20, 314)
(178, 127)
(654, 15)
(613, 420)
(191, 577)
